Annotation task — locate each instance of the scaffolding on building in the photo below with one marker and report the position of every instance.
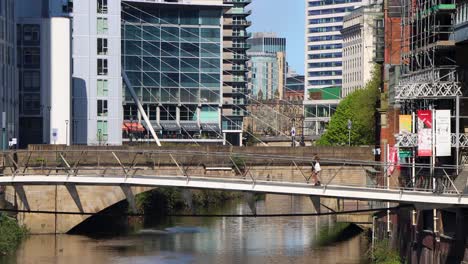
(429, 70)
(429, 73)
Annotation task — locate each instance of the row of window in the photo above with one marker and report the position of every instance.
(188, 16)
(102, 85)
(331, 11)
(325, 82)
(325, 73)
(325, 29)
(174, 95)
(325, 20)
(325, 38)
(325, 55)
(324, 64)
(171, 34)
(331, 2)
(325, 47)
(185, 65)
(169, 112)
(193, 80)
(166, 49)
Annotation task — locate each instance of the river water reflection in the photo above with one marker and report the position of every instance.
(204, 240)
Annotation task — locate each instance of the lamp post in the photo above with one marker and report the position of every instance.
(4, 136)
(302, 132)
(66, 132)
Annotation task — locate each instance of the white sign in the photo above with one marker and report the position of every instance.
(293, 131)
(13, 142)
(442, 133)
(54, 134)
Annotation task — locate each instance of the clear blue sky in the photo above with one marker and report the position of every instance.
(287, 19)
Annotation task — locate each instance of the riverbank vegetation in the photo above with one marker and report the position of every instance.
(169, 199)
(384, 254)
(11, 234)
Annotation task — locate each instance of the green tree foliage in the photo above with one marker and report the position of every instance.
(384, 254)
(11, 234)
(359, 107)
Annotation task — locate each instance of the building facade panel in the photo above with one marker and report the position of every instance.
(8, 74)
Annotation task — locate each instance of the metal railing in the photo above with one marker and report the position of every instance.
(252, 167)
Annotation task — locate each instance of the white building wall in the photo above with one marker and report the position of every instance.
(60, 82)
(85, 76)
(358, 48)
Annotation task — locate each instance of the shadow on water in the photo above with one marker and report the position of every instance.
(112, 221)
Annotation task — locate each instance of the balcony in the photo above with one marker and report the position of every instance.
(239, 11)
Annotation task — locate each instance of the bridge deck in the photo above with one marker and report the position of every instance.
(345, 192)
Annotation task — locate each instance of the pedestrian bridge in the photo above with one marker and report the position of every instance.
(393, 194)
(89, 180)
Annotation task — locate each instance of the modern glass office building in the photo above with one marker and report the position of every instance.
(173, 59)
(323, 62)
(267, 63)
(8, 80)
(173, 53)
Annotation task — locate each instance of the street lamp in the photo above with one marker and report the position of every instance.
(293, 133)
(66, 132)
(302, 132)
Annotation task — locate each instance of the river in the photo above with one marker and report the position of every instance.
(204, 240)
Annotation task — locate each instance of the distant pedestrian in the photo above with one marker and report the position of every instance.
(316, 170)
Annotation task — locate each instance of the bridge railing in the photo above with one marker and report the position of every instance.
(243, 166)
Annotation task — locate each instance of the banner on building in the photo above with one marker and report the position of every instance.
(443, 137)
(392, 159)
(424, 133)
(405, 124)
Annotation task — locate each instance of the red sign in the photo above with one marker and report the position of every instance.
(424, 133)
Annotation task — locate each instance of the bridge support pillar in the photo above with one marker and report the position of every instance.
(316, 203)
(127, 191)
(249, 198)
(188, 199)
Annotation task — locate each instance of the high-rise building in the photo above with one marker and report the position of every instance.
(361, 31)
(172, 55)
(323, 61)
(8, 91)
(235, 37)
(176, 55)
(267, 64)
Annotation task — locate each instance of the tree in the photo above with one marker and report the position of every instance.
(359, 107)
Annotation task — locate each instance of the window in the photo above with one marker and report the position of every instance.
(102, 25)
(102, 67)
(102, 107)
(101, 46)
(31, 57)
(31, 81)
(31, 33)
(102, 88)
(102, 130)
(168, 112)
(188, 113)
(102, 6)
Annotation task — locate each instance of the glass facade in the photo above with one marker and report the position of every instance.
(172, 57)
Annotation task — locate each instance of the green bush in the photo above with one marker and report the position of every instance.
(11, 234)
(384, 254)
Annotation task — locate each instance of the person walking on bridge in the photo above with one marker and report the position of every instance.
(316, 170)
